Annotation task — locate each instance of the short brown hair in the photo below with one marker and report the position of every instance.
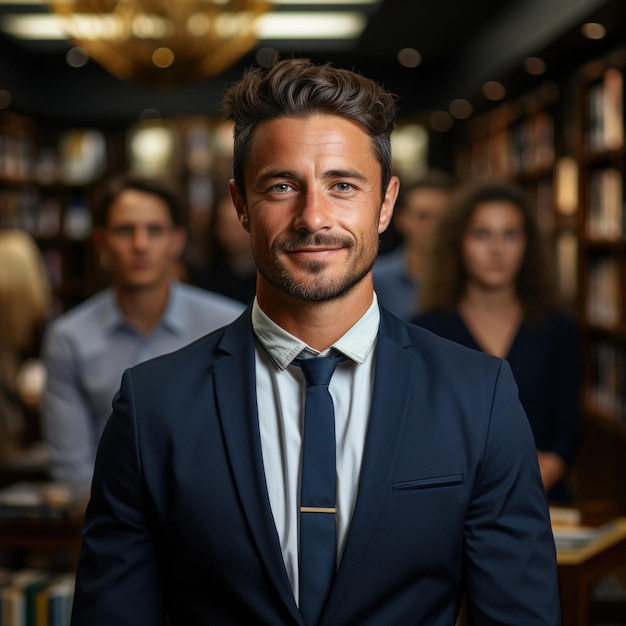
(116, 186)
(439, 180)
(298, 88)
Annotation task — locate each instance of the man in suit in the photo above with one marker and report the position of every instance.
(195, 497)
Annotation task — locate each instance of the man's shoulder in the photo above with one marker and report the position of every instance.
(83, 316)
(389, 263)
(196, 297)
(436, 349)
(186, 364)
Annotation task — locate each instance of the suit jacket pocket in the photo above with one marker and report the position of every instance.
(432, 482)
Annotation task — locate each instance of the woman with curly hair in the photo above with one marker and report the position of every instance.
(489, 288)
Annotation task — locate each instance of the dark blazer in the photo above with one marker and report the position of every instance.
(546, 362)
(450, 497)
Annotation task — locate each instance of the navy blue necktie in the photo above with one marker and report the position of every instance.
(318, 529)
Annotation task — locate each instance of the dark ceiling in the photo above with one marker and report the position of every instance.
(462, 43)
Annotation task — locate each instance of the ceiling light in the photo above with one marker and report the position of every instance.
(325, 2)
(311, 25)
(159, 42)
(284, 25)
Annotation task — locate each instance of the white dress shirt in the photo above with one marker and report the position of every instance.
(281, 392)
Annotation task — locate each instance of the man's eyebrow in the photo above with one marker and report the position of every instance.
(347, 173)
(329, 174)
(270, 174)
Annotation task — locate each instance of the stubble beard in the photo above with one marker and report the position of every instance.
(318, 288)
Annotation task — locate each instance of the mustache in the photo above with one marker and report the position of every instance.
(316, 239)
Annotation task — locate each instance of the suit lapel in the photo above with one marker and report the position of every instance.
(394, 376)
(236, 397)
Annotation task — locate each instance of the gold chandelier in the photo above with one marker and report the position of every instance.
(163, 43)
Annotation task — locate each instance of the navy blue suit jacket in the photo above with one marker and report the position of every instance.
(450, 498)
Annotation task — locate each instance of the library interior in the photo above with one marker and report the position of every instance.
(524, 91)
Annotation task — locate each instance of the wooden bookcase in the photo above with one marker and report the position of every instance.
(48, 174)
(565, 144)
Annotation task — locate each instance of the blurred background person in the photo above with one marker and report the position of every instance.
(229, 268)
(25, 298)
(489, 287)
(146, 312)
(398, 274)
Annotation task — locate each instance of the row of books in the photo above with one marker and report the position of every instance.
(605, 120)
(606, 390)
(531, 143)
(606, 217)
(78, 157)
(45, 216)
(604, 292)
(47, 500)
(32, 597)
(524, 146)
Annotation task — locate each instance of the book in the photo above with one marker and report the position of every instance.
(42, 500)
(60, 598)
(17, 597)
(575, 527)
(577, 537)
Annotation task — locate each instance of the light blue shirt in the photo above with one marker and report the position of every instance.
(396, 289)
(281, 392)
(87, 349)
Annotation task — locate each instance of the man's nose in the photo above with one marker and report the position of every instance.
(140, 237)
(314, 211)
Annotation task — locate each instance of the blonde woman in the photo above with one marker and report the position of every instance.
(24, 301)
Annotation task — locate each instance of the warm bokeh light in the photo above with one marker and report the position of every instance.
(534, 65)
(461, 108)
(440, 121)
(163, 57)
(593, 30)
(493, 90)
(76, 57)
(409, 57)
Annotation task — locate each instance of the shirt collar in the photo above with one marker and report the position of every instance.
(283, 347)
(172, 318)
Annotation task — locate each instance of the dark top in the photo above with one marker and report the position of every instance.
(220, 278)
(546, 362)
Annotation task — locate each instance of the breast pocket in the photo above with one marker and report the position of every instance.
(432, 482)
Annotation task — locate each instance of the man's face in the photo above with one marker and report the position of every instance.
(139, 243)
(418, 218)
(313, 205)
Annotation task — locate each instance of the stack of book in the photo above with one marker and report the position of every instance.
(31, 597)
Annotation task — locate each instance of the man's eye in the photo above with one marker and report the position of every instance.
(481, 234)
(282, 188)
(344, 186)
(156, 231)
(123, 231)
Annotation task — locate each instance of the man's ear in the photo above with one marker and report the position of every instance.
(240, 205)
(389, 201)
(180, 239)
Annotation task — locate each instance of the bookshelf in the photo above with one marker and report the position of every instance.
(564, 142)
(603, 240)
(47, 177)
